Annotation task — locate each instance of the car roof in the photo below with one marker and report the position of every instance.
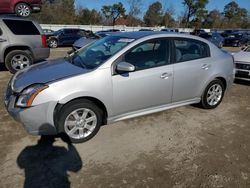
(12, 17)
(141, 34)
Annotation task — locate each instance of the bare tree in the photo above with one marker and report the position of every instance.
(135, 7)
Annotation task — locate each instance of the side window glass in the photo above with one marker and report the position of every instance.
(149, 54)
(81, 33)
(67, 32)
(188, 49)
(1, 32)
(21, 27)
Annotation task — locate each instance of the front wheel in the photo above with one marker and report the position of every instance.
(80, 120)
(213, 94)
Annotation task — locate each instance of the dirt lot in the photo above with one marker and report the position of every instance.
(183, 147)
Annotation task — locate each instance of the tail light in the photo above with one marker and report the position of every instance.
(44, 41)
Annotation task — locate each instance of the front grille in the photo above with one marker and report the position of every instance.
(242, 66)
(242, 74)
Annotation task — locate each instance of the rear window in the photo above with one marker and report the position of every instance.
(190, 49)
(22, 27)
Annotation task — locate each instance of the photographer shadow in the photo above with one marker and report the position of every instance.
(46, 165)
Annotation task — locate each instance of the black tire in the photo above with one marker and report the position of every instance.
(9, 60)
(67, 109)
(204, 99)
(53, 43)
(23, 10)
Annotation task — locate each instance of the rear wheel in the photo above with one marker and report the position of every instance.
(17, 60)
(80, 120)
(23, 10)
(213, 94)
(53, 43)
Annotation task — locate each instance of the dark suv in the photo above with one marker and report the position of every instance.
(21, 43)
(22, 8)
(65, 37)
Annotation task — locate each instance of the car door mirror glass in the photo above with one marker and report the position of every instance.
(125, 67)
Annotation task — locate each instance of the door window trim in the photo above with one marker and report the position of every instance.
(173, 47)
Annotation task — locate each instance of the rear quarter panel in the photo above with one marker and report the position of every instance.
(223, 66)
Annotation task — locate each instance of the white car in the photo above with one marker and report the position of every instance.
(242, 61)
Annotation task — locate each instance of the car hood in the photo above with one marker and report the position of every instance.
(242, 56)
(83, 42)
(44, 72)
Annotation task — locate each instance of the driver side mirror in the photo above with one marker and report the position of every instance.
(125, 67)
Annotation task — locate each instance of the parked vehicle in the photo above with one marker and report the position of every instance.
(237, 39)
(21, 43)
(65, 37)
(48, 31)
(118, 77)
(22, 8)
(197, 32)
(242, 64)
(170, 30)
(213, 37)
(87, 40)
(144, 29)
(228, 32)
(108, 30)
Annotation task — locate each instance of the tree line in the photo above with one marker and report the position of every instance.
(194, 15)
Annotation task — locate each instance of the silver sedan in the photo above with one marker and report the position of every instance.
(118, 77)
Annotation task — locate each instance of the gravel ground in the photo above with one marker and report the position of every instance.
(182, 147)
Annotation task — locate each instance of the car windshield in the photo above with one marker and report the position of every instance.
(247, 49)
(95, 54)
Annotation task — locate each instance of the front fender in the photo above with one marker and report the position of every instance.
(80, 94)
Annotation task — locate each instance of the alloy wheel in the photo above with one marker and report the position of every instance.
(214, 94)
(80, 123)
(23, 10)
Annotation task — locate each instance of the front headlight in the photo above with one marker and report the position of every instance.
(28, 95)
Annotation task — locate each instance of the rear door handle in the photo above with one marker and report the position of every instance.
(2, 40)
(206, 66)
(166, 75)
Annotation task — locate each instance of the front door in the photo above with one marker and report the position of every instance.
(150, 85)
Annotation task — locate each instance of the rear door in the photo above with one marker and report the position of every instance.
(66, 37)
(192, 68)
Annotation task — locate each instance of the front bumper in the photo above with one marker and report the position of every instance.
(242, 74)
(41, 53)
(37, 120)
(242, 71)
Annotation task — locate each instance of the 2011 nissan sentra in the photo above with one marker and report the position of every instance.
(118, 77)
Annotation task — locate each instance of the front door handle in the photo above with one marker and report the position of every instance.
(2, 40)
(166, 75)
(206, 66)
